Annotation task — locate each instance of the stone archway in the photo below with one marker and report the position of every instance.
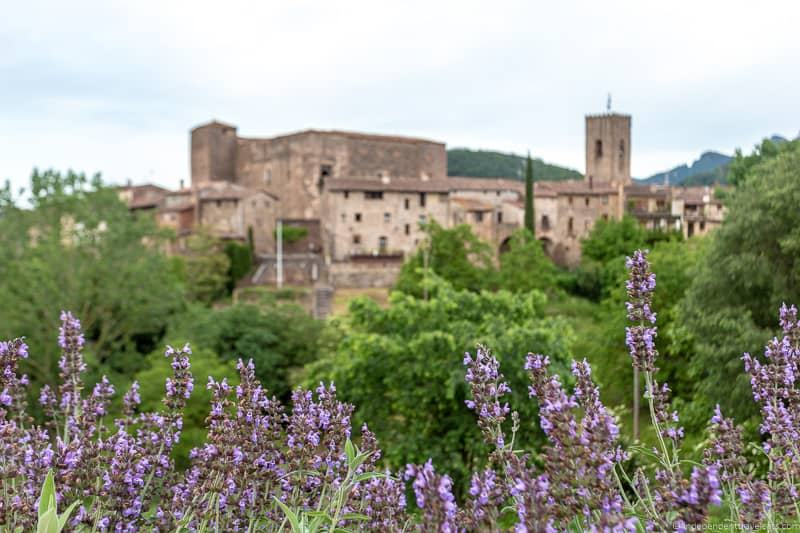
(505, 245)
(547, 246)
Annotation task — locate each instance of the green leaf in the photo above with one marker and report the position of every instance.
(62, 520)
(355, 516)
(48, 522)
(350, 451)
(47, 499)
(290, 515)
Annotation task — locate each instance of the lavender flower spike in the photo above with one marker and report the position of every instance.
(640, 338)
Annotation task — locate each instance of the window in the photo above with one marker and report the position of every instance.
(586, 201)
(478, 216)
(605, 200)
(356, 239)
(622, 155)
(347, 194)
(598, 149)
(605, 216)
(422, 199)
(387, 217)
(373, 195)
(570, 228)
(702, 225)
(325, 171)
(545, 222)
(408, 229)
(358, 217)
(407, 203)
(219, 203)
(383, 244)
(422, 219)
(499, 217)
(569, 200)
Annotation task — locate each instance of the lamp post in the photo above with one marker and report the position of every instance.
(279, 235)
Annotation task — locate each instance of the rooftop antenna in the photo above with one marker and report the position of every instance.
(608, 103)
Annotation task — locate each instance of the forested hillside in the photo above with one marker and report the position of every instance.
(484, 163)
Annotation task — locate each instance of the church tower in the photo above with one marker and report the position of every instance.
(608, 148)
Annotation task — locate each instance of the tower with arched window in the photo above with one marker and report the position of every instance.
(608, 148)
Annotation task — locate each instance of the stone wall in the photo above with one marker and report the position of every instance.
(364, 274)
(608, 148)
(295, 167)
(213, 153)
(356, 223)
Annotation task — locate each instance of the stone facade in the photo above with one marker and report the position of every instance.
(361, 199)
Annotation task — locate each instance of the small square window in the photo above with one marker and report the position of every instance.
(346, 194)
(357, 217)
(373, 195)
(356, 239)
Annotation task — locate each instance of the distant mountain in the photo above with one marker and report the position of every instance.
(483, 163)
(711, 167)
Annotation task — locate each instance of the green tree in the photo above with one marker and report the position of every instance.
(525, 266)
(403, 368)
(204, 363)
(742, 165)
(529, 215)
(78, 248)
(241, 262)
(752, 266)
(280, 338)
(206, 268)
(455, 254)
(603, 254)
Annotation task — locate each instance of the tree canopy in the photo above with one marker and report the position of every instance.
(390, 360)
(751, 268)
(78, 247)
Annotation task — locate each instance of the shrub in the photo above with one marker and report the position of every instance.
(264, 468)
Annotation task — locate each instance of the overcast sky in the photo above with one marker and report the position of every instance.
(94, 86)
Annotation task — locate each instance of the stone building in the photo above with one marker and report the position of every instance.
(359, 200)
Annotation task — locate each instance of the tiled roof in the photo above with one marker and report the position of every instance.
(472, 204)
(649, 191)
(349, 135)
(458, 183)
(696, 195)
(390, 185)
(572, 187)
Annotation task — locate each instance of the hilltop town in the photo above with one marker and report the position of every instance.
(355, 203)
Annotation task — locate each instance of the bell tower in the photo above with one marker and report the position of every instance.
(608, 148)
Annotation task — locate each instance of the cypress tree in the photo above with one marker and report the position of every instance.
(529, 218)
